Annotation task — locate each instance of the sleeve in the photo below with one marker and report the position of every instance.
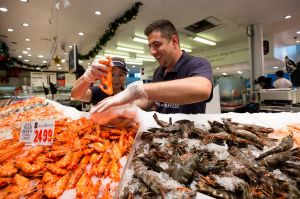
(202, 68)
(97, 95)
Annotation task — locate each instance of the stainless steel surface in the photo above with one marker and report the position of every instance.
(273, 109)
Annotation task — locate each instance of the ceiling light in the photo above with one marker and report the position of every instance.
(217, 68)
(28, 48)
(63, 61)
(40, 56)
(205, 41)
(298, 41)
(288, 16)
(25, 1)
(80, 33)
(25, 52)
(70, 46)
(3, 9)
(10, 30)
(129, 49)
(186, 49)
(66, 53)
(116, 55)
(133, 66)
(145, 58)
(27, 39)
(224, 73)
(26, 60)
(139, 39)
(57, 64)
(134, 62)
(44, 61)
(38, 68)
(59, 68)
(275, 67)
(89, 63)
(20, 56)
(80, 61)
(298, 32)
(25, 24)
(97, 12)
(29, 55)
(239, 72)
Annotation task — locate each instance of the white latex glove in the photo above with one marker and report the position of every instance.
(94, 72)
(133, 92)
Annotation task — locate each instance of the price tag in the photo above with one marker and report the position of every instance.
(40, 132)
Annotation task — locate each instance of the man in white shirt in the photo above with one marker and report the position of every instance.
(281, 82)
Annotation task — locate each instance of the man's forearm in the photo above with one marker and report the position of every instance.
(182, 91)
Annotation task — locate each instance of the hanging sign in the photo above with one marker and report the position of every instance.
(40, 132)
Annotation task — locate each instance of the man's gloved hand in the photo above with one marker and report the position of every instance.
(133, 92)
(94, 72)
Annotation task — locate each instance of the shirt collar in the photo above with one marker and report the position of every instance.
(177, 65)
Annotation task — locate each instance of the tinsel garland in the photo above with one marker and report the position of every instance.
(109, 33)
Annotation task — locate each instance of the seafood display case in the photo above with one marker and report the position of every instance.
(222, 156)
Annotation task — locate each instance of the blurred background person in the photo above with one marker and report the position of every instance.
(264, 82)
(281, 82)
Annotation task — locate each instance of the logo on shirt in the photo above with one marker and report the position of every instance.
(166, 105)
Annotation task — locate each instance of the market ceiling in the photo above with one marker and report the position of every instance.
(61, 23)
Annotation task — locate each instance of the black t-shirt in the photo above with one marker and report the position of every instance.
(97, 95)
(187, 66)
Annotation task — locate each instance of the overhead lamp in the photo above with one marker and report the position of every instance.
(80, 61)
(139, 39)
(27, 39)
(133, 62)
(144, 58)
(205, 41)
(217, 68)
(28, 48)
(116, 55)
(10, 30)
(25, 52)
(38, 68)
(298, 32)
(59, 68)
(3, 9)
(80, 33)
(44, 61)
(186, 49)
(40, 56)
(29, 55)
(63, 60)
(57, 64)
(20, 56)
(288, 16)
(25, 24)
(224, 73)
(298, 41)
(97, 12)
(130, 49)
(24, 1)
(26, 60)
(275, 67)
(239, 72)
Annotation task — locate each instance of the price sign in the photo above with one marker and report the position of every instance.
(39, 132)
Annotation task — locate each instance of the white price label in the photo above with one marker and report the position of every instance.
(40, 132)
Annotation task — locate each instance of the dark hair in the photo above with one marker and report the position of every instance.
(260, 79)
(166, 28)
(279, 73)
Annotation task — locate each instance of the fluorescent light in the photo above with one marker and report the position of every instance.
(29, 55)
(288, 16)
(27, 39)
(139, 39)
(298, 41)
(38, 68)
(44, 61)
(26, 60)
(217, 68)
(186, 49)
(133, 66)
(40, 56)
(275, 67)
(59, 68)
(133, 62)
(130, 49)
(205, 41)
(3, 9)
(20, 56)
(10, 30)
(97, 12)
(80, 33)
(239, 72)
(25, 52)
(25, 24)
(70, 46)
(25, 1)
(63, 60)
(66, 53)
(80, 61)
(298, 32)
(115, 55)
(28, 48)
(145, 59)
(224, 73)
(57, 64)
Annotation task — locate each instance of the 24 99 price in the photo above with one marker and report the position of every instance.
(43, 135)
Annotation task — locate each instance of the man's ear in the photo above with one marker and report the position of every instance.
(175, 40)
